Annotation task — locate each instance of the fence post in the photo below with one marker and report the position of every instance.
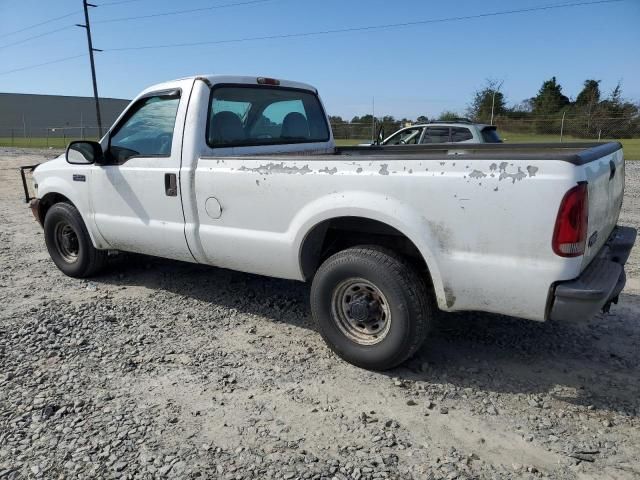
(12, 137)
(562, 126)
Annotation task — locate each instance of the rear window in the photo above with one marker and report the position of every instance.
(247, 116)
(490, 135)
(460, 134)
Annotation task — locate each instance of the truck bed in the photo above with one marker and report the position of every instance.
(577, 153)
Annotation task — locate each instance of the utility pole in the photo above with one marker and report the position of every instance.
(87, 27)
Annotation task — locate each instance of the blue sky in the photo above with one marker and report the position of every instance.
(414, 70)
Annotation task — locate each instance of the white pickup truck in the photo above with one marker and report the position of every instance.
(243, 173)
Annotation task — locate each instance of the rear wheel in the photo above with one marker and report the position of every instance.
(371, 307)
(69, 244)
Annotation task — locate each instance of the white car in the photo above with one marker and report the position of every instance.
(242, 173)
(461, 131)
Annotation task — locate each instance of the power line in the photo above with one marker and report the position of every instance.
(181, 12)
(326, 32)
(122, 19)
(119, 2)
(39, 24)
(24, 40)
(365, 28)
(29, 67)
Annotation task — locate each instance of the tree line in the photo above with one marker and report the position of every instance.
(590, 114)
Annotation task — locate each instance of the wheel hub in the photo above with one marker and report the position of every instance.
(361, 311)
(66, 241)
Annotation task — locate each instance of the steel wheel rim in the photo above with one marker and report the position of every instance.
(66, 240)
(361, 311)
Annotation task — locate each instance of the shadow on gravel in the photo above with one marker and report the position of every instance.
(592, 364)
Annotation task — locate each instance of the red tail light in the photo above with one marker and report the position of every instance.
(570, 234)
(267, 81)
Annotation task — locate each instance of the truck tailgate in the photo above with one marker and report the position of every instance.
(605, 177)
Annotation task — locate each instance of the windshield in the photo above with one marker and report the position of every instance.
(244, 116)
(490, 135)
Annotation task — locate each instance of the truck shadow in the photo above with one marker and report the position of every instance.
(594, 363)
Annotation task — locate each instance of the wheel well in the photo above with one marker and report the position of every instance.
(336, 234)
(49, 200)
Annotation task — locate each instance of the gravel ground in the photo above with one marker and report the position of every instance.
(158, 369)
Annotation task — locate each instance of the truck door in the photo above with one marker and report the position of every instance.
(135, 195)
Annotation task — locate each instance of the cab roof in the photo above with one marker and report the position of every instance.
(238, 79)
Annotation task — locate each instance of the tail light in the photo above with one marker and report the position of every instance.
(267, 81)
(570, 234)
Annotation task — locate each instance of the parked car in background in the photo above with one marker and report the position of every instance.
(459, 131)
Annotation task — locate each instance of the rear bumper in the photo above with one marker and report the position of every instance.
(599, 284)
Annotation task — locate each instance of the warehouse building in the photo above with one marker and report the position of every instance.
(28, 115)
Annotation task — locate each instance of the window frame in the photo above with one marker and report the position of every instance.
(258, 143)
(132, 110)
(426, 129)
(460, 128)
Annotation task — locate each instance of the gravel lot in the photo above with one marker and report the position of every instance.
(162, 369)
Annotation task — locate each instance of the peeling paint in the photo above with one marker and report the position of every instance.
(503, 166)
(410, 171)
(277, 168)
(384, 169)
(532, 170)
(477, 174)
(513, 176)
(258, 182)
(331, 171)
(493, 167)
(359, 170)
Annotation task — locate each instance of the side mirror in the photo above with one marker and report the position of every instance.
(380, 137)
(84, 152)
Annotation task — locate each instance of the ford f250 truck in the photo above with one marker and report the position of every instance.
(242, 173)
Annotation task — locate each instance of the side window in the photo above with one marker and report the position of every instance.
(147, 129)
(436, 135)
(410, 136)
(460, 134)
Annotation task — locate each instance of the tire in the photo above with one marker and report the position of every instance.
(371, 307)
(69, 244)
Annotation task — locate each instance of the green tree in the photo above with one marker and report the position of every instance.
(448, 116)
(590, 94)
(483, 100)
(550, 99)
(422, 119)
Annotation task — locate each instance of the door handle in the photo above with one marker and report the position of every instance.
(612, 168)
(171, 184)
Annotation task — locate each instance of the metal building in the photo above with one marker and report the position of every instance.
(25, 115)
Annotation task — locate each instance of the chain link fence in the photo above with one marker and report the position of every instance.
(512, 129)
(45, 137)
(519, 129)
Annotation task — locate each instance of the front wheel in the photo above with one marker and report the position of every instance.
(371, 307)
(69, 243)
